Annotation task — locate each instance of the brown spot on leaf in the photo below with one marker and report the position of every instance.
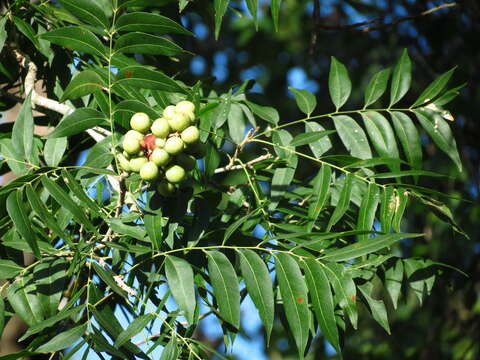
(300, 299)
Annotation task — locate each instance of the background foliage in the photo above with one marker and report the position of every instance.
(316, 195)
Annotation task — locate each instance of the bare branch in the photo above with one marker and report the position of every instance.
(355, 27)
(248, 164)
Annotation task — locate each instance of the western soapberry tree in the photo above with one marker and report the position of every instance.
(178, 176)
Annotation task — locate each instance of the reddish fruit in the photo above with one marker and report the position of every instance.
(149, 141)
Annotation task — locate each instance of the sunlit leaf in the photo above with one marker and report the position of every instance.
(305, 100)
(339, 83)
(88, 10)
(321, 145)
(381, 134)
(22, 133)
(343, 201)
(361, 248)
(368, 209)
(76, 38)
(295, 299)
(353, 136)
(409, 138)
(259, 286)
(84, 83)
(54, 150)
(320, 192)
(220, 7)
(180, 280)
(80, 120)
(18, 213)
(322, 300)
(434, 88)
(401, 78)
(146, 78)
(141, 43)
(149, 22)
(63, 340)
(136, 326)
(377, 86)
(225, 287)
(441, 134)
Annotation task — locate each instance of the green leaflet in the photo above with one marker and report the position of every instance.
(339, 84)
(259, 286)
(353, 136)
(320, 192)
(88, 10)
(343, 202)
(80, 120)
(76, 38)
(225, 287)
(220, 7)
(401, 79)
(322, 300)
(63, 340)
(136, 326)
(142, 43)
(295, 299)
(365, 247)
(180, 280)
(377, 86)
(149, 22)
(377, 307)
(305, 100)
(84, 83)
(18, 213)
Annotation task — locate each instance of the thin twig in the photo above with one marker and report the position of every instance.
(381, 25)
(248, 164)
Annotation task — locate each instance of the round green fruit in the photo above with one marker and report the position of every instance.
(174, 145)
(134, 134)
(140, 122)
(149, 171)
(179, 122)
(131, 145)
(160, 128)
(165, 188)
(169, 112)
(160, 157)
(190, 135)
(175, 174)
(137, 163)
(124, 163)
(185, 107)
(188, 162)
(160, 143)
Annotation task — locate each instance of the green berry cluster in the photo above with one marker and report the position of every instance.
(164, 150)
